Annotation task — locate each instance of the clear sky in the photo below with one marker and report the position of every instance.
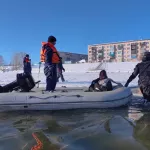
(24, 24)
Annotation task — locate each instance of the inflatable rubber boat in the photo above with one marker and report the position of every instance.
(31, 98)
(64, 98)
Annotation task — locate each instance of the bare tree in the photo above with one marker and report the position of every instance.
(17, 60)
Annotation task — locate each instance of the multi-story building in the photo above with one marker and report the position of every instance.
(118, 51)
(72, 57)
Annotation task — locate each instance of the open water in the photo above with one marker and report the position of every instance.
(126, 128)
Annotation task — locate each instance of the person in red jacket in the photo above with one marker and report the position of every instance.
(27, 64)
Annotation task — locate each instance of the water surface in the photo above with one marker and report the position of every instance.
(89, 129)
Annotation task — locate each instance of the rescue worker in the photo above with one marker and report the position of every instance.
(143, 70)
(103, 83)
(60, 68)
(27, 64)
(50, 56)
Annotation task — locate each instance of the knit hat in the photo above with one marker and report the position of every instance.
(27, 55)
(51, 39)
(146, 56)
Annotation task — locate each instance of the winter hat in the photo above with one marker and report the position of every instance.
(27, 55)
(146, 57)
(51, 39)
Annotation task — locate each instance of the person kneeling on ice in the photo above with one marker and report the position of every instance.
(143, 70)
(103, 83)
(50, 56)
(27, 64)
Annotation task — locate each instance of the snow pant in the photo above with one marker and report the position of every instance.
(50, 84)
(51, 77)
(145, 90)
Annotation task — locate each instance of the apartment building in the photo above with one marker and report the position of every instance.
(72, 57)
(118, 51)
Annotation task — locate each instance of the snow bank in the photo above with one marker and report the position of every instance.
(83, 67)
(90, 67)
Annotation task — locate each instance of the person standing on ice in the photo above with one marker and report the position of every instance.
(27, 64)
(60, 69)
(51, 58)
(143, 70)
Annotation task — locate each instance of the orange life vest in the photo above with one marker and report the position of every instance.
(27, 60)
(55, 56)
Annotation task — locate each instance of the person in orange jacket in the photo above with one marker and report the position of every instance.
(51, 58)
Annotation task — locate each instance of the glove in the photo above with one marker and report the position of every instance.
(126, 85)
(64, 70)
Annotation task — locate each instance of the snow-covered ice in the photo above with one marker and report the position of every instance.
(80, 74)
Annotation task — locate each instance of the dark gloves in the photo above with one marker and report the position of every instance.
(63, 69)
(129, 80)
(126, 85)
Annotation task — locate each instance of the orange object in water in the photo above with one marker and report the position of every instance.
(39, 145)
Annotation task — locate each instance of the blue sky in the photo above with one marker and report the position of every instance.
(24, 24)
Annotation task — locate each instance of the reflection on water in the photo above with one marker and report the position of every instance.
(114, 129)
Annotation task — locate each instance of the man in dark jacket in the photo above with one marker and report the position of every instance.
(60, 68)
(51, 60)
(143, 70)
(27, 64)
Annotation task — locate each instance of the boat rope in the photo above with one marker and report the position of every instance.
(55, 96)
(30, 97)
